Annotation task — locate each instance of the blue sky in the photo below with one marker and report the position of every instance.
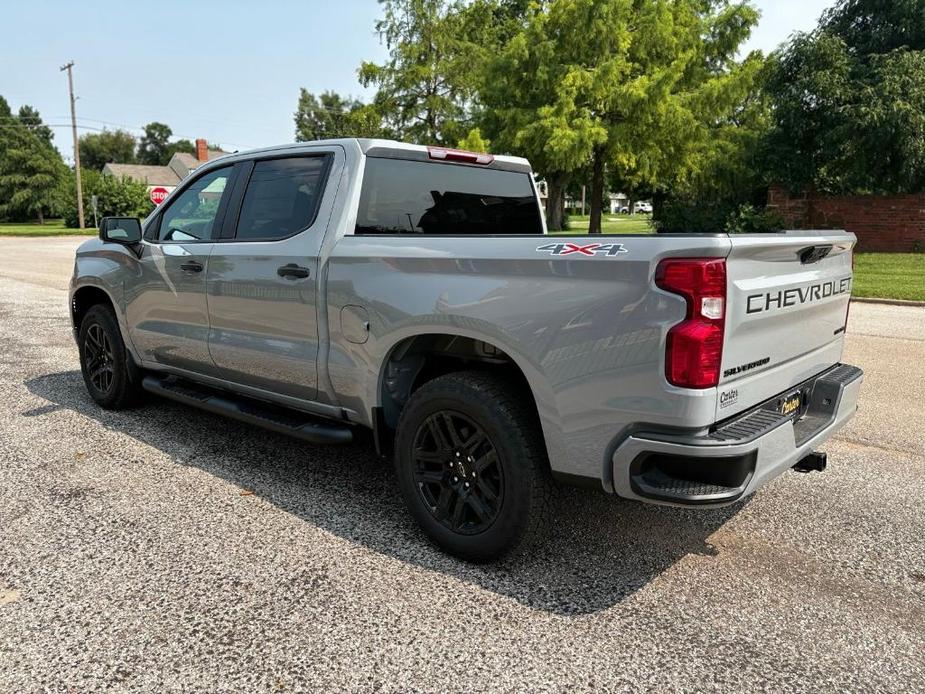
(229, 71)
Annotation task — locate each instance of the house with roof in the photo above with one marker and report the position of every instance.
(181, 165)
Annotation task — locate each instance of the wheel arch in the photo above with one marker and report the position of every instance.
(89, 294)
(416, 358)
(86, 297)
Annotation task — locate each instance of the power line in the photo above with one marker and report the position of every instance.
(16, 122)
(52, 125)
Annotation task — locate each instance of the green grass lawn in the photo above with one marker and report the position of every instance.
(51, 227)
(611, 224)
(890, 276)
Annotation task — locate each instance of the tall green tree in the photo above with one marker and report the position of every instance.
(156, 148)
(31, 173)
(31, 118)
(518, 109)
(849, 101)
(331, 115)
(99, 149)
(730, 177)
(154, 145)
(631, 86)
(426, 86)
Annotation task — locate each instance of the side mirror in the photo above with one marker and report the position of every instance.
(124, 230)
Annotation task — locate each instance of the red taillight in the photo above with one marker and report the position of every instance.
(694, 350)
(446, 154)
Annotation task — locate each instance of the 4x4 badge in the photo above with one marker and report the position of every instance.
(592, 249)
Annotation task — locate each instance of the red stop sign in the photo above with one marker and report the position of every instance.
(158, 195)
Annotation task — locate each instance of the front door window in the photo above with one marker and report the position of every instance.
(191, 216)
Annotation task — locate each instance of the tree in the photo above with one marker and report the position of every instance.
(730, 178)
(99, 149)
(154, 145)
(31, 118)
(474, 142)
(183, 145)
(849, 101)
(330, 116)
(426, 85)
(516, 87)
(31, 173)
(631, 86)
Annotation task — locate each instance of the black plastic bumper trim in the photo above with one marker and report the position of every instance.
(692, 481)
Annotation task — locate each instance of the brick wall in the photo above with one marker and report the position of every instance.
(892, 223)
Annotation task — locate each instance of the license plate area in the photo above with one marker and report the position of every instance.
(793, 404)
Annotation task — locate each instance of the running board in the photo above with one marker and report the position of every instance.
(281, 420)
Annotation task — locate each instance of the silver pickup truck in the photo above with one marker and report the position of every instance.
(316, 288)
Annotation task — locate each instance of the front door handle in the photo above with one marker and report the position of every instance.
(191, 266)
(294, 271)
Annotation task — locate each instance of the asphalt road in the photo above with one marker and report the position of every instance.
(165, 548)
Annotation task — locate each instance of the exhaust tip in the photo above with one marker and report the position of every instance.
(814, 462)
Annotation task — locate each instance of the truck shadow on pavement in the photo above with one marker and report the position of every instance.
(601, 551)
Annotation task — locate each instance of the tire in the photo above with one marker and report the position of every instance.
(111, 376)
(472, 467)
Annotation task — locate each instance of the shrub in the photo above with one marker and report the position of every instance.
(677, 216)
(748, 219)
(116, 197)
(680, 216)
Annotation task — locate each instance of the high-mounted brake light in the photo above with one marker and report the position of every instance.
(694, 351)
(446, 154)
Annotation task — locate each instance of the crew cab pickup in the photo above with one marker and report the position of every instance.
(317, 288)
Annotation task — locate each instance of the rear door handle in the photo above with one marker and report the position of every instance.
(191, 266)
(294, 271)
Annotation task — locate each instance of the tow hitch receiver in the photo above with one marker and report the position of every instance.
(814, 461)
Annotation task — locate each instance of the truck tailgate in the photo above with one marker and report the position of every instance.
(787, 304)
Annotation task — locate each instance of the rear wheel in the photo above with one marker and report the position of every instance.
(112, 378)
(472, 466)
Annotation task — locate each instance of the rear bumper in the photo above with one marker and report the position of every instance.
(737, 457)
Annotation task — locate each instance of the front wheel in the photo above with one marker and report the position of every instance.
(112, 378)
(471, 465)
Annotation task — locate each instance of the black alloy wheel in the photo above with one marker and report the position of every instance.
(112, 378)
(471, 464)
(99, 358)
(457, 472)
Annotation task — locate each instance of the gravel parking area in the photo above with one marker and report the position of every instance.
(169, 549)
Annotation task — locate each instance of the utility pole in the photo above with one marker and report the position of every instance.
(80, 195)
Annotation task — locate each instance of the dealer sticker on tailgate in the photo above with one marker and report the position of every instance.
(790, 404)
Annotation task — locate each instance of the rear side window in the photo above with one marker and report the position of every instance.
(282, 198)
(416, 197)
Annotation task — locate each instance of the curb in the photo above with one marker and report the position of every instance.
(887, 302)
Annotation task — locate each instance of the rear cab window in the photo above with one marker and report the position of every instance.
(282, 197)
(402, 196)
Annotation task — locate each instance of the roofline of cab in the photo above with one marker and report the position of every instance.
(391, 149)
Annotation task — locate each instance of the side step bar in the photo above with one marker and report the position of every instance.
(281, 420)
